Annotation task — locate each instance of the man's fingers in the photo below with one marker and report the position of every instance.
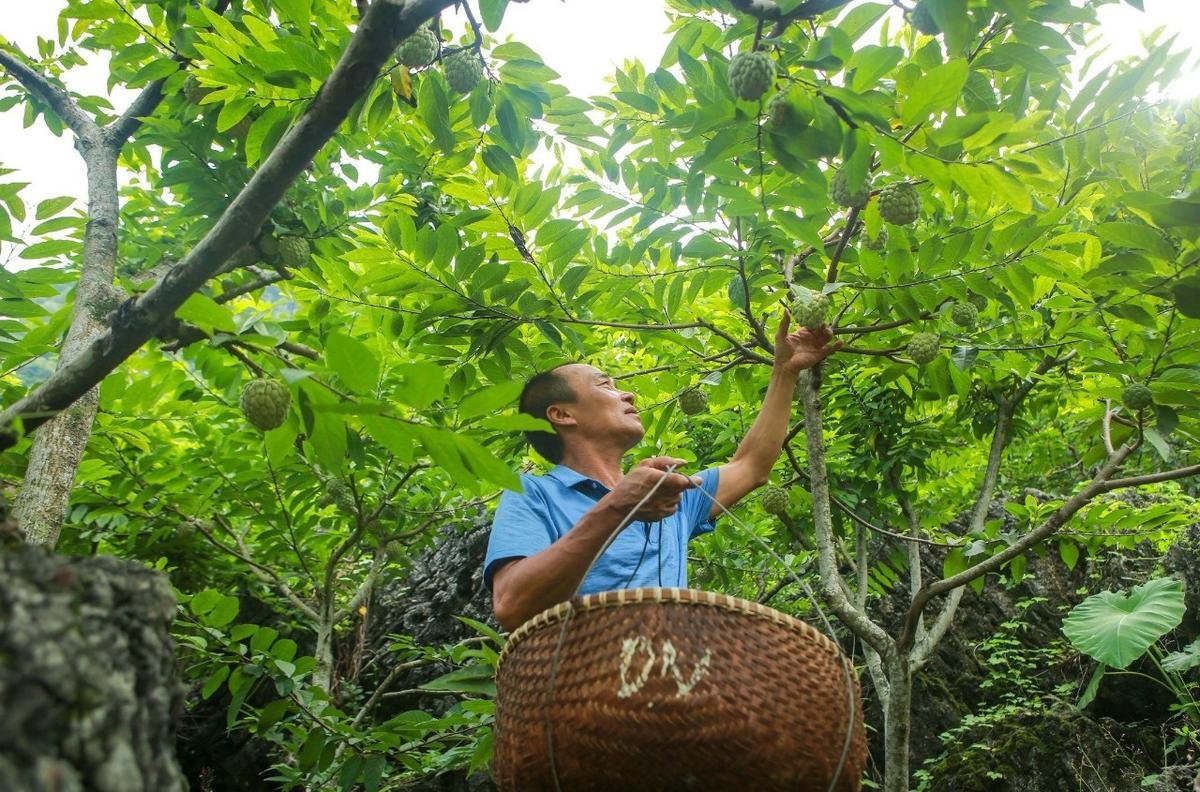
(663, 462)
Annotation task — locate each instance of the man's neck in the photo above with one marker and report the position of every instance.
(603, 465)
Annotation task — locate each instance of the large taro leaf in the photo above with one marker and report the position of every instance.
(1116, 628)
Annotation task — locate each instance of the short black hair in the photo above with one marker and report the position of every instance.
(542, 390)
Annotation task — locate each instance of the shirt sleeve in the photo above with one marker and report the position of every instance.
(518, 530)
(696, 505)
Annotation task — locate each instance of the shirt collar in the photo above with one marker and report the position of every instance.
(568, 477)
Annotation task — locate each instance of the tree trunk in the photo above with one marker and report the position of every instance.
(323, 675)
(897, 724)
(89, 689)
(41, 504)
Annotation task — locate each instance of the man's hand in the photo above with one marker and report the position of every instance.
(803, 349)
(641, 479)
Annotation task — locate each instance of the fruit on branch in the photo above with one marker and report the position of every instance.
(839, 191)
(242, 257)
(810, 308)
(268, 244)
(419, 49)
(878, 242)
(265, 402)
(337, 494)
(923, 20)
(775, 501)
(318, 310)
(923, 347)
(964, 314)
(978, 300)
(750, 75)
(463, 70)
(1137, 397)
(780, 110)
(693, 401)
(192, 91)
(294, 252)
(899, 203)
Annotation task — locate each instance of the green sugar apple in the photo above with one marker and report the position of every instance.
(775, 500)
(693, 401)
(750, 75)
(810, 308)
(1137, 397)
(964, 314)
(463, 70)
(899, 203)
(923, 347)
(839, 191)
(265, 402)
(419, 49)
(294, 252)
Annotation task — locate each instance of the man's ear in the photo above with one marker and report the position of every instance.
(560, 415)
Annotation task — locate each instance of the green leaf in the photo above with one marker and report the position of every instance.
(1178, 662)
(372, 773)
(49, 249)
(214, 681)
(477, 678)
(433, 104)
(204, 312)
(1093, 685)
(490, 399)
(223, 612)
(52, 206)
(353, 362)
(1117, 628)
(937, 91)
(492, 12)
(295, 11)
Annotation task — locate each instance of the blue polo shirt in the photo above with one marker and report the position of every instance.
(643, 554)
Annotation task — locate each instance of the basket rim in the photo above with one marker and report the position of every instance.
(680, 596)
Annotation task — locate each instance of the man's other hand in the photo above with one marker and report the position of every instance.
(642, 479)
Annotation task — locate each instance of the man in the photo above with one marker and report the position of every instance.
(543, 540)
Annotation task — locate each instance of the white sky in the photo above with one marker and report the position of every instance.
(581, 40)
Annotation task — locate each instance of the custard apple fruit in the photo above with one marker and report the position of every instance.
(839, 191)
(775, 500)
(1137, 397)
(318, 310)
(294, 252)
(750, 75)
(899, 203)
(337, 494)
(693, 401)
(242, 257)
(964, 314)
(780, 110)
(810, 308)
(878, 243)
(463, 70)
(923, 20)
(268, 245)
(265, 402)
(978, 300)
(192, 91)
(923, 347)
(419, 49)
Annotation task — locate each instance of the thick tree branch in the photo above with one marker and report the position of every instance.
(854, 618)
(143, 105)
(57, 99)
(387, 23)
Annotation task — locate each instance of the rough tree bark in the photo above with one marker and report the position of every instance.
(89, 691)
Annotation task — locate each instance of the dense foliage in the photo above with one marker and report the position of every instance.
(1030, 241)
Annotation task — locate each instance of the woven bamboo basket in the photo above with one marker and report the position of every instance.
(675, 689)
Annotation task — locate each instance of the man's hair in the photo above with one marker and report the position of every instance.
(542, 390)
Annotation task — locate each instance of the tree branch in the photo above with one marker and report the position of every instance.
(854, 618)
(387, 23)
(143, 105)
(57, 99)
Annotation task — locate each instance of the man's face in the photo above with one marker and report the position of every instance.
(601, 410)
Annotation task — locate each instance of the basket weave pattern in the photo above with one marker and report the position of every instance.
(674, 689)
